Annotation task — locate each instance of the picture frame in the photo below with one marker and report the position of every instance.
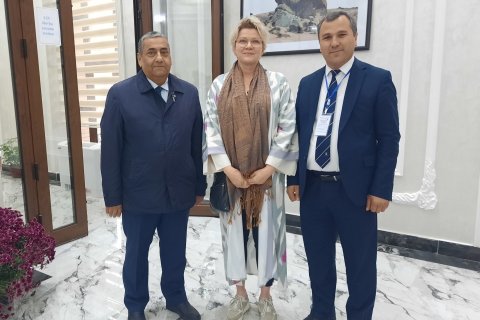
(296, 33)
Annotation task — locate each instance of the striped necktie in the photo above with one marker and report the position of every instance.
(322, 150)
(159, 90)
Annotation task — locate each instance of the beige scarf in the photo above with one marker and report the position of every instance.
(244, 122)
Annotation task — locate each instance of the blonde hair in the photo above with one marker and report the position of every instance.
(250, 22)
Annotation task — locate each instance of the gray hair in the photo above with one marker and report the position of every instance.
(250, 22)
(334, 15)
(148, 35)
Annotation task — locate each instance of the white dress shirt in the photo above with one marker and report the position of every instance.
(342, 80)
(164, 86)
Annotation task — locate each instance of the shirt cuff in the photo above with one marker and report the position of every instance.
(220, 161)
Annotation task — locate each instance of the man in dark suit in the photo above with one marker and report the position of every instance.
(348, 130)
(152, 172)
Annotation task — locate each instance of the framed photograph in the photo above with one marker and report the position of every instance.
(292, 24)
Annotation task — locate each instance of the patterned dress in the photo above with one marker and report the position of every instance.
(283, 157)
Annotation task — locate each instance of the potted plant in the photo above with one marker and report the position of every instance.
(11, 157)
(22, 247)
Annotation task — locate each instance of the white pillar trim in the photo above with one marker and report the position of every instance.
(405, 82)
(426, 197)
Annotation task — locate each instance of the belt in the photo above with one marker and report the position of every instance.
(325, 176)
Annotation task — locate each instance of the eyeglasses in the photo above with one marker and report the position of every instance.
(244, 42)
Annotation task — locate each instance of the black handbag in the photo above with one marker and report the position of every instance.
(219, 199)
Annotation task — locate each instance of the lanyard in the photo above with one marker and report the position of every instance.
(334, 91)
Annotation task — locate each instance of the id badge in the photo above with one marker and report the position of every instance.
(323, 123)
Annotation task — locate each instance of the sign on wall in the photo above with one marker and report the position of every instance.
(47, 26)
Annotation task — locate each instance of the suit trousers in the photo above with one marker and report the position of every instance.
(325, 213)
(172, 232)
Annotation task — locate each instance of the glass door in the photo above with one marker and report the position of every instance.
(195, 33)
(46, 94)
(55, 112)
(188, 27)
(11, 176)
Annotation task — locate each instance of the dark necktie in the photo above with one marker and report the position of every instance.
(322, 150)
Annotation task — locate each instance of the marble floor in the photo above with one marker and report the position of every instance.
(86, 281)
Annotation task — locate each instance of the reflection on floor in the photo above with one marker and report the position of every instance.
(11, 192)
(11, 196)
(86, 281)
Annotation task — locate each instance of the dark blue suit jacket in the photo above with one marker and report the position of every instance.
(368, 132)
(151, 158)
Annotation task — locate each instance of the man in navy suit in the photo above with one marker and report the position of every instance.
(152, 172)
(348, 130)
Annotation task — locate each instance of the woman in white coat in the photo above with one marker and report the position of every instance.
(251, 137)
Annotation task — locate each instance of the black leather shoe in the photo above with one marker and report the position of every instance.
(138, 315)
(312, 317)
(185, 310)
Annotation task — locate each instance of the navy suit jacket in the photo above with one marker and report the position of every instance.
(368, 135)
(151, 159)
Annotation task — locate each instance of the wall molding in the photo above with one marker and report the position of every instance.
(425, 198)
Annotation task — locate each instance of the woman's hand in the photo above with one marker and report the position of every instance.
(261, 175)
(236, 177)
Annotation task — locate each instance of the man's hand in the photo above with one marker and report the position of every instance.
(115, 211)
(293, 192)
(376, 204)
(261, 175)
(236, 177)
(198, 200)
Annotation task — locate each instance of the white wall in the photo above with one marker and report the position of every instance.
(431, 47)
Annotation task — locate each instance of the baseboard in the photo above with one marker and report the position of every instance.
(444, 252)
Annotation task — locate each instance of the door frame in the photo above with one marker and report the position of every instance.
(203, 209)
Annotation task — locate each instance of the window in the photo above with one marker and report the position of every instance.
(96, 28)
